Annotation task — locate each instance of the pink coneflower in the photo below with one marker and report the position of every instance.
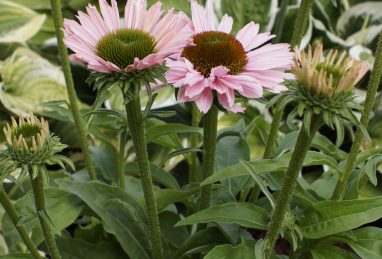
(145, 38)
(222, 65)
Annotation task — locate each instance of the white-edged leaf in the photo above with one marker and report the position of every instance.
(28, 81)
(18, 23)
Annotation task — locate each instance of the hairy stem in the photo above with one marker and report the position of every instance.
(194, 174)
(270, 146)
(39, 197)
(285, 195)
(375, 79)
(301, 22)
(137, 130)
(209, 148)
(13, 215)
(298, 33)
(121, 160)
(80, 124)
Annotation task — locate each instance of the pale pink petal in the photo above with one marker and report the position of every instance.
(200, 18)
(223, 100)
(110, 14)
(226, 24)
(194, 90)
(97, 19)
(262, 38)
(205, 100)
(90, 26)
(152, 16)
(176, 74)
(248, 34)
(218, 72)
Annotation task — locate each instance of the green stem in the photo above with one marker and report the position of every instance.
(194, 173)
(39, 197)
(285, 195)
(270, 146)
(280, 20)
(298, 33)
(81, 127)
(369, 104)
(15, 218)
(137, 130)
(301, 22)
(255, 193)
(209, 148)
(122, 160)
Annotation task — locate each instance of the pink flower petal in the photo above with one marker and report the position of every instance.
(226, 24)
(205, 100)
(110, 14)
(247, 35)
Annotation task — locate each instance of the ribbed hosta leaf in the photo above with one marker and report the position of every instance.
(29, 80)
(18, 23)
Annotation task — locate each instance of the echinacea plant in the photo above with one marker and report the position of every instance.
(7, 167)
(323, 91)
(130, 54)
(217, 67)
(31, 146)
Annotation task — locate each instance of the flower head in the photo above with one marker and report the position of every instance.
(143, 40)
(324, 87)
(222, 65)
(331, 74)
(29, 140)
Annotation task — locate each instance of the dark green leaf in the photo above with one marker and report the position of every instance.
(368, 242)
(72, 248)
(331, 252)
(115, 208)
(160, 130)
(243, 214)
(241, 251)
(331, 217)
(63, 208)
(166, 197)
(201, 241)
(270, 165)
(159, 175)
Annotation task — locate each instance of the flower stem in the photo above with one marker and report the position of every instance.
(137, 130)
(194, 173)
(122, 160)
(12, 213)
(375, 79)
(209, 148)
(285, 195)
(39, 197)
(301, 22)
(298, 33)
(270, 146)
(81, 127)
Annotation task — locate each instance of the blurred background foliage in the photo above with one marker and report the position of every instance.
(31, 81)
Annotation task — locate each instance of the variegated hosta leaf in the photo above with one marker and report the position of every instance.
(28, 81)
(18, 23)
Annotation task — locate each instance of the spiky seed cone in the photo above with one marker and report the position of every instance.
(29, 140)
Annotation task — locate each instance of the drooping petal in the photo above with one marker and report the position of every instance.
(205, 100)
